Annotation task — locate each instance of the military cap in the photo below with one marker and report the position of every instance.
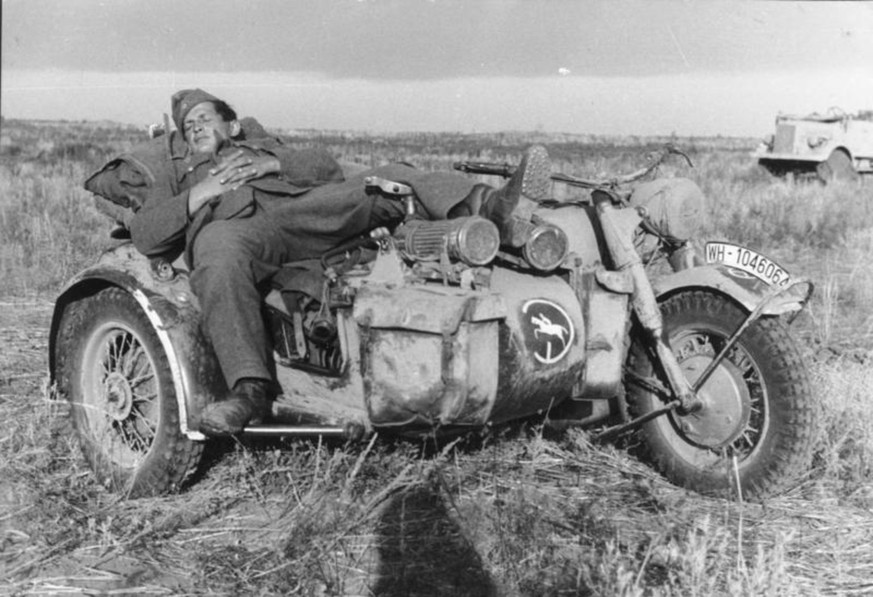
(186, 99)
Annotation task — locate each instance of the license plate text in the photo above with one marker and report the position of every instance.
(749, 261)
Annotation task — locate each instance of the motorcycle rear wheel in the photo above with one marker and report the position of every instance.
(116, 376)
(756, 425)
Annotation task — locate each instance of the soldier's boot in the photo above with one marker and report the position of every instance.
(248, 404)
(512, 206)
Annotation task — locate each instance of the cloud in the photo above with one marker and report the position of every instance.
(563, 65)
(432, 40)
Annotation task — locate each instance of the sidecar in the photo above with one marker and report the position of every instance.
(384, 347)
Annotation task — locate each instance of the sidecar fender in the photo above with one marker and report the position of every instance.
(746, 290)
(196, 377)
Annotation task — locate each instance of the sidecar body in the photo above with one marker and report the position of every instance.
(410, 356)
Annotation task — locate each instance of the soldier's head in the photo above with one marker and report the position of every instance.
(205, 121)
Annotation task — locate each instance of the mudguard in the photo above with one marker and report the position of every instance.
(746, 290)
(165, 297)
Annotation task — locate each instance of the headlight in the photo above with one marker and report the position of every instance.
(546, 248)
(814, 142)
(472, 240)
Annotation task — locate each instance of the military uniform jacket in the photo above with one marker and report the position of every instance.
(153, 182)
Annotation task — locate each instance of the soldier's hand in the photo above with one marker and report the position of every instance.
(238, 168)
(204, 191)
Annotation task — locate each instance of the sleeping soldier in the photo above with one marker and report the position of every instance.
(240, 206)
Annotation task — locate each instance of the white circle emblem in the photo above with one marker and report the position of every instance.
(548, 330)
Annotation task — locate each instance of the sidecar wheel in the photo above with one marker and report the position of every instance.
(116, 376)
(756, 425)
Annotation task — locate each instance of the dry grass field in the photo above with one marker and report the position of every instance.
(515, 512)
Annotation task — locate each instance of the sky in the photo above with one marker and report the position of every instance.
(609, 67)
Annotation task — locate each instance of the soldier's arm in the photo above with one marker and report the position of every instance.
(310, 167)
(162, 221)
(302, 167)
(147, 205)
(159, 225)
(262, 158)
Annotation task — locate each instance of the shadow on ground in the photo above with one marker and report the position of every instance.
(423, 551)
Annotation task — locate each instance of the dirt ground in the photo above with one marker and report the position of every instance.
(530, 517)
(24, 329)
(73, 540)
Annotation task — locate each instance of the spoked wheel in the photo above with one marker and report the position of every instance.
(756, 423)
(114, 371)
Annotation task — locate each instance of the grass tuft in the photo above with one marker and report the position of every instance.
(516, 512)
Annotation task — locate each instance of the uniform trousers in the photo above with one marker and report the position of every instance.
(233, 259)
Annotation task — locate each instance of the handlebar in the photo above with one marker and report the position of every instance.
(506, 170)
(491, 168)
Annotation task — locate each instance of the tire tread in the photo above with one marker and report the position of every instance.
(789, 394)
(172, 457)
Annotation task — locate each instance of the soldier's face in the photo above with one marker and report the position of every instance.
(205, 130)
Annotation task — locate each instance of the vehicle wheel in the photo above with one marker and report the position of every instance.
(838, 167)
(756, 424)
(115, 373)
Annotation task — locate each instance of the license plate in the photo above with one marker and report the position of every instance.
(748, 261)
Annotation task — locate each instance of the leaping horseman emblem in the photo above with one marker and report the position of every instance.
(553, 331)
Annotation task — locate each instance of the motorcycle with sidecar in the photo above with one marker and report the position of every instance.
(609, 317)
